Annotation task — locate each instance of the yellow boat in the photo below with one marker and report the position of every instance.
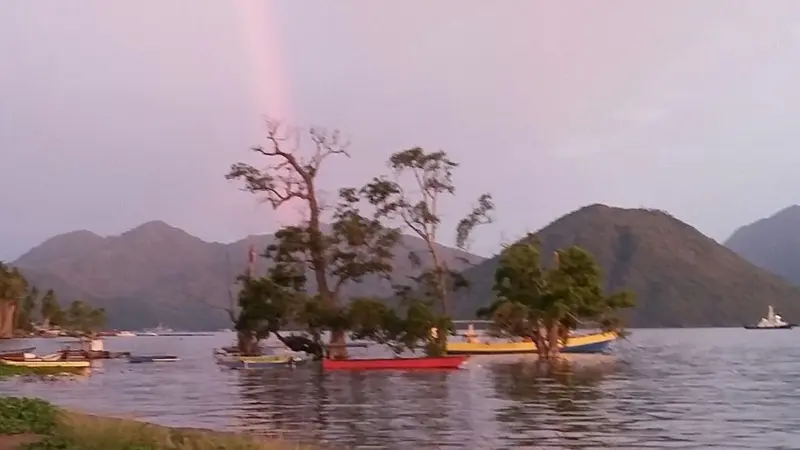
(587, 343)
(46, 364)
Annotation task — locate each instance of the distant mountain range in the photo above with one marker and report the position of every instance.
(772, 243)
(156, 273)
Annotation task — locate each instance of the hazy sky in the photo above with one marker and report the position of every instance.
(116, 113)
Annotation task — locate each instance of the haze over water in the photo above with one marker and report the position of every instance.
(700, 388)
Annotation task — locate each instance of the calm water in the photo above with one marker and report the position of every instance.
(709, 388)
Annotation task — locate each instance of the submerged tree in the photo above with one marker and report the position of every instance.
(544, 305)
(348, 249)
(414, 198)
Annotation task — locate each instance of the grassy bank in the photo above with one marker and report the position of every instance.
(32, 424)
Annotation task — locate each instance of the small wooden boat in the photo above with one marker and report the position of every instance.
(439, 362)
(41, 363)
(256, 362)
(588, 343)
(18, 354)
(17, 351)
(152, 359)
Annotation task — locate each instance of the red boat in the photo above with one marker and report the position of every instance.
(439, 362)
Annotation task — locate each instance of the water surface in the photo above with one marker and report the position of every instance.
(698, 388)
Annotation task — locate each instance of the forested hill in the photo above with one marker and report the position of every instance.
(681, 277)
(158, 274)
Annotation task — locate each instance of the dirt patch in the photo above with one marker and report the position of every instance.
(14, 442)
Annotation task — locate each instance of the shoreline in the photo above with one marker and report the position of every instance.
(35, 424)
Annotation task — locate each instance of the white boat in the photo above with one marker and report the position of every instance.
(771, 322)
(125, 334)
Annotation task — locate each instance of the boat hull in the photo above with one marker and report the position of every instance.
(589, 343)
(44, 364)
(782, 327)
(152, 359)
(256, 362)
(443, 362)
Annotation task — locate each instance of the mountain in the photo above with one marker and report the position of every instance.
(681, 277)
(772, 243)
(158, 274)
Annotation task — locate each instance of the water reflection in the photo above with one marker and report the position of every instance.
(552, 404)
(688, 389)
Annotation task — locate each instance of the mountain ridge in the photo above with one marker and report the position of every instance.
(157, 273)
(681, 277)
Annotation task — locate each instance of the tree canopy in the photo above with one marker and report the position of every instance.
(345, 243)
(18, 308)
(544, 304)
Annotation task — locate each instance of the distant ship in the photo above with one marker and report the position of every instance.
(157, 331)
(771, 322)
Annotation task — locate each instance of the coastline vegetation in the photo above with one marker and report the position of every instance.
(33, 424)
(24, 312)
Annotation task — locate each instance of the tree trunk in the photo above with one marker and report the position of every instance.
(553, 338)
(338, 349)
(247, 343)
(8, 308)
(3, 319)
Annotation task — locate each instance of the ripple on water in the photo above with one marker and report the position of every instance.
(715, 388)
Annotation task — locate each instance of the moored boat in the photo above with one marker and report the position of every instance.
(255, 362)
(17, 354)
(41, 363)
(430, 362)
(771, 322)
(587, 343)
(152, 359)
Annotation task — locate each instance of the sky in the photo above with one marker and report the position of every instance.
(117, 113)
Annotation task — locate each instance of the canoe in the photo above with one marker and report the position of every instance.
(46, 364)
(442, 362)
(152, 359)
(255, 362)
(18, 354)
(17, 351)
(587, 343)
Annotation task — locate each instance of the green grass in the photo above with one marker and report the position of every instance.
(65, 430)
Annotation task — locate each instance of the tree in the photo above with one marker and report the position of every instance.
(374, 320)
(13, 288)
(544, 305)
(418, 210)
(81, 317)
(349, 249)
(25, 315)
(50, 310)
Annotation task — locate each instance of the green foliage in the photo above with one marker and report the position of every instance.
(51, 311)
(545, 304)
(418, 211)
(26, 415)
(57, 429)
(373, 320)
(353, 247)
(83, 318)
